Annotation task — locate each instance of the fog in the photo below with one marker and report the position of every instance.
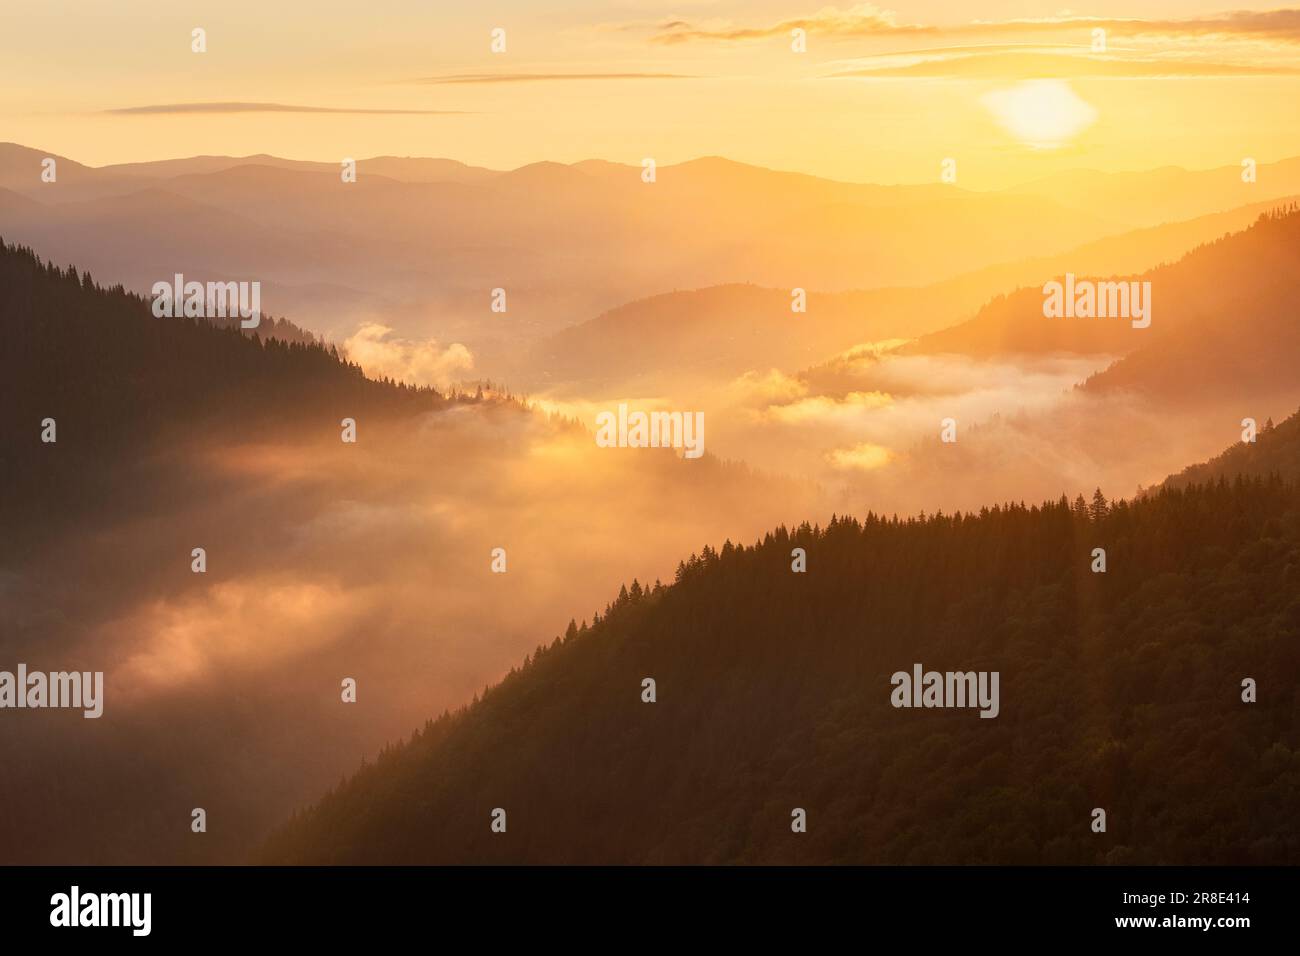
(325, 560)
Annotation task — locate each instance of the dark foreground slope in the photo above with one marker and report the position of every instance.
(1119, 691)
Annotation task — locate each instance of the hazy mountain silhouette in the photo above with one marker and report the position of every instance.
(727, 330)
(1232, 335)
(17, 164)
(405, 169)
(424, 241)
(1244, 283)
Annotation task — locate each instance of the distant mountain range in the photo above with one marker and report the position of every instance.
(419, 243)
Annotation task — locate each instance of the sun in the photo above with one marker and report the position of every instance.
(1042, 114)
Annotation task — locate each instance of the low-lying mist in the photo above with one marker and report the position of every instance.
(325, 561)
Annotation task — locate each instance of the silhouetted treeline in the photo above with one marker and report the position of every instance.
(1275, 451)
(99, 358)
(114, 378)
(1119, 690)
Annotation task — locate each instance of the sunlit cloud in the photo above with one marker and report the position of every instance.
(822, 408)
(999, 63)
(235, 107)
(193, 638)
(867, 20)
(764, 387)
(405, 360)
(490, 78)
(863, 457)
(863, 20)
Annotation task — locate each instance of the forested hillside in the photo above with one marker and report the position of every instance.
(1222, 319)
(130, 368)
(114, 378)
(1227, 315)
(1119, 690)
(1275, 451)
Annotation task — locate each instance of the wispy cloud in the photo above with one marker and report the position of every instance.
(1056, 64)
(867, 20)
(1251, 24)
(862, 20)
(233, 107)
(475, 78)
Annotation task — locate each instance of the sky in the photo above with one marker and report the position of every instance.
(1010, 90)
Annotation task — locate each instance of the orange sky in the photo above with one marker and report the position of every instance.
(880, 94)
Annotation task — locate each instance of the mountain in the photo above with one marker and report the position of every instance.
(78, 348)
(21, 167)
(1119, 690)
(1275, 451)
(405, 169)
(1237, 289)
(325, 559)
(717, 332)
(118, 380)
(1231, 335)
(150, 235)
(420, 244)
(728, 330)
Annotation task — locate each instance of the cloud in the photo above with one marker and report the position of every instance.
(190, 638)
(1264, 24)
(867, 20)
(477, 78)
(848, 409)
(174, 108)
(863, 457)
(414, 362)
(1000, 63)
(754, 388)
(946, 376)
(859, 21)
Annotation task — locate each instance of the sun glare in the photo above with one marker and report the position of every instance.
(1043, 114)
